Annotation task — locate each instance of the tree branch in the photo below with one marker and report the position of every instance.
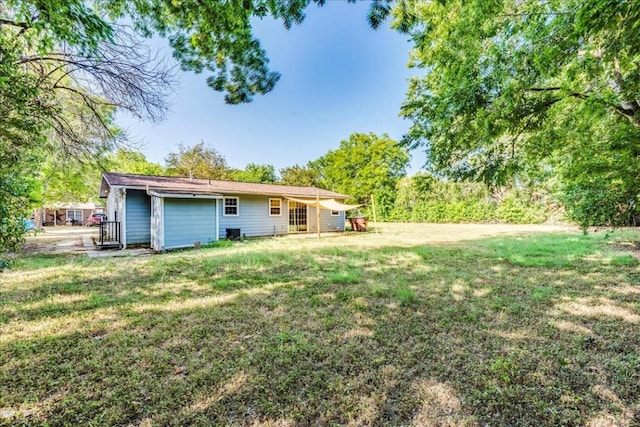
(619, 109)
(22, 25)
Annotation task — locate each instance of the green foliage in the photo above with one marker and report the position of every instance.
(365, 165)
(304, 176)
(425, 198)
(600, 179)
(213, 36)
(131, 161)
(517, 211)
(60, 181)
(21, 123)
(219, 244)
(254, 172)
(197, 162)
(49, 124)
(523, 88)
(405, 296)
(16, 187)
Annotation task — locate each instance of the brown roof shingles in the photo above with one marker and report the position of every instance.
(210, 186)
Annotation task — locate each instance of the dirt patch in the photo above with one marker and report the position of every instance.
(406, 234)
(61, 239)
(632, 248)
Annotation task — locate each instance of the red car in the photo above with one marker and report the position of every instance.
(96, 219)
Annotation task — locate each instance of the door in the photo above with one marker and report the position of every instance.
(297, 217)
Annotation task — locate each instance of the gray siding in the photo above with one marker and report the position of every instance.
(254, 219)
(327, 222)
(187, 221)
(138, 217)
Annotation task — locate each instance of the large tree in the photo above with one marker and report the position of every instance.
(365, 165)
(63, 73)
(131, 161)
(305, 176)
(213, 36)
(255, 172)
(198, 161)
(512, 88)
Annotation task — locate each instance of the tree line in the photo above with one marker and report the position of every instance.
(364, 166)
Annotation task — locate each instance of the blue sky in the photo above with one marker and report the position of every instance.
(338, 77)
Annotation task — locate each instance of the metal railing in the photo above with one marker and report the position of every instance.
(109, 233)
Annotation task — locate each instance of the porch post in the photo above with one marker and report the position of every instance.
(317, 210)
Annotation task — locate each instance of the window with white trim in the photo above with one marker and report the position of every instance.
(335, 213)
(275, 207)
(231, 206)
(74, 215)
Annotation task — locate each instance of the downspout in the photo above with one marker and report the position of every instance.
(123, 228)
(317, 210)
(217, 220)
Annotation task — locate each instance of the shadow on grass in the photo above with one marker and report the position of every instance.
(463, 334)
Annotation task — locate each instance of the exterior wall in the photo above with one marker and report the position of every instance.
(254, 219)
(187, 221)
(157, 231)
(138, 217)
(115, 204)
(327, 222)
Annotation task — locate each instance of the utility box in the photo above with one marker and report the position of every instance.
(233, 234)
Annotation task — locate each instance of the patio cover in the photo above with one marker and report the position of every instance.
(330, 204)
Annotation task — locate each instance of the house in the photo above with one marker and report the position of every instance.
(67, 213)
(169, 212)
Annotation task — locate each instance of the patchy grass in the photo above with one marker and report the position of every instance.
(353, 330)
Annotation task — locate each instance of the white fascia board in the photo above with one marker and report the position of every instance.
(185, 196)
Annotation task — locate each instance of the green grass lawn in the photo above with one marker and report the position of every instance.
(354, 330)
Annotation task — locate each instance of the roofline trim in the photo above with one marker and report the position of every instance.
(184, 195)
(220, 193)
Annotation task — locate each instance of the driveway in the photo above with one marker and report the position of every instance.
(72, 240)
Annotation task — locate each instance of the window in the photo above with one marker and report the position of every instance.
(275, 207)
(230, 206)
(74, 216)
(335, 213)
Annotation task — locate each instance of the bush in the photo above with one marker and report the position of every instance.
(514, 211)
(451, 202)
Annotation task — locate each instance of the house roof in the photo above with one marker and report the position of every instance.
(73, 205)
(165, 184)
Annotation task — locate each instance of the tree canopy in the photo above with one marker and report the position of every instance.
(210, 36)
(198, 161)
(305, 176)
(131, 161)
(365, 165)
(512, 88)
(254, 172)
